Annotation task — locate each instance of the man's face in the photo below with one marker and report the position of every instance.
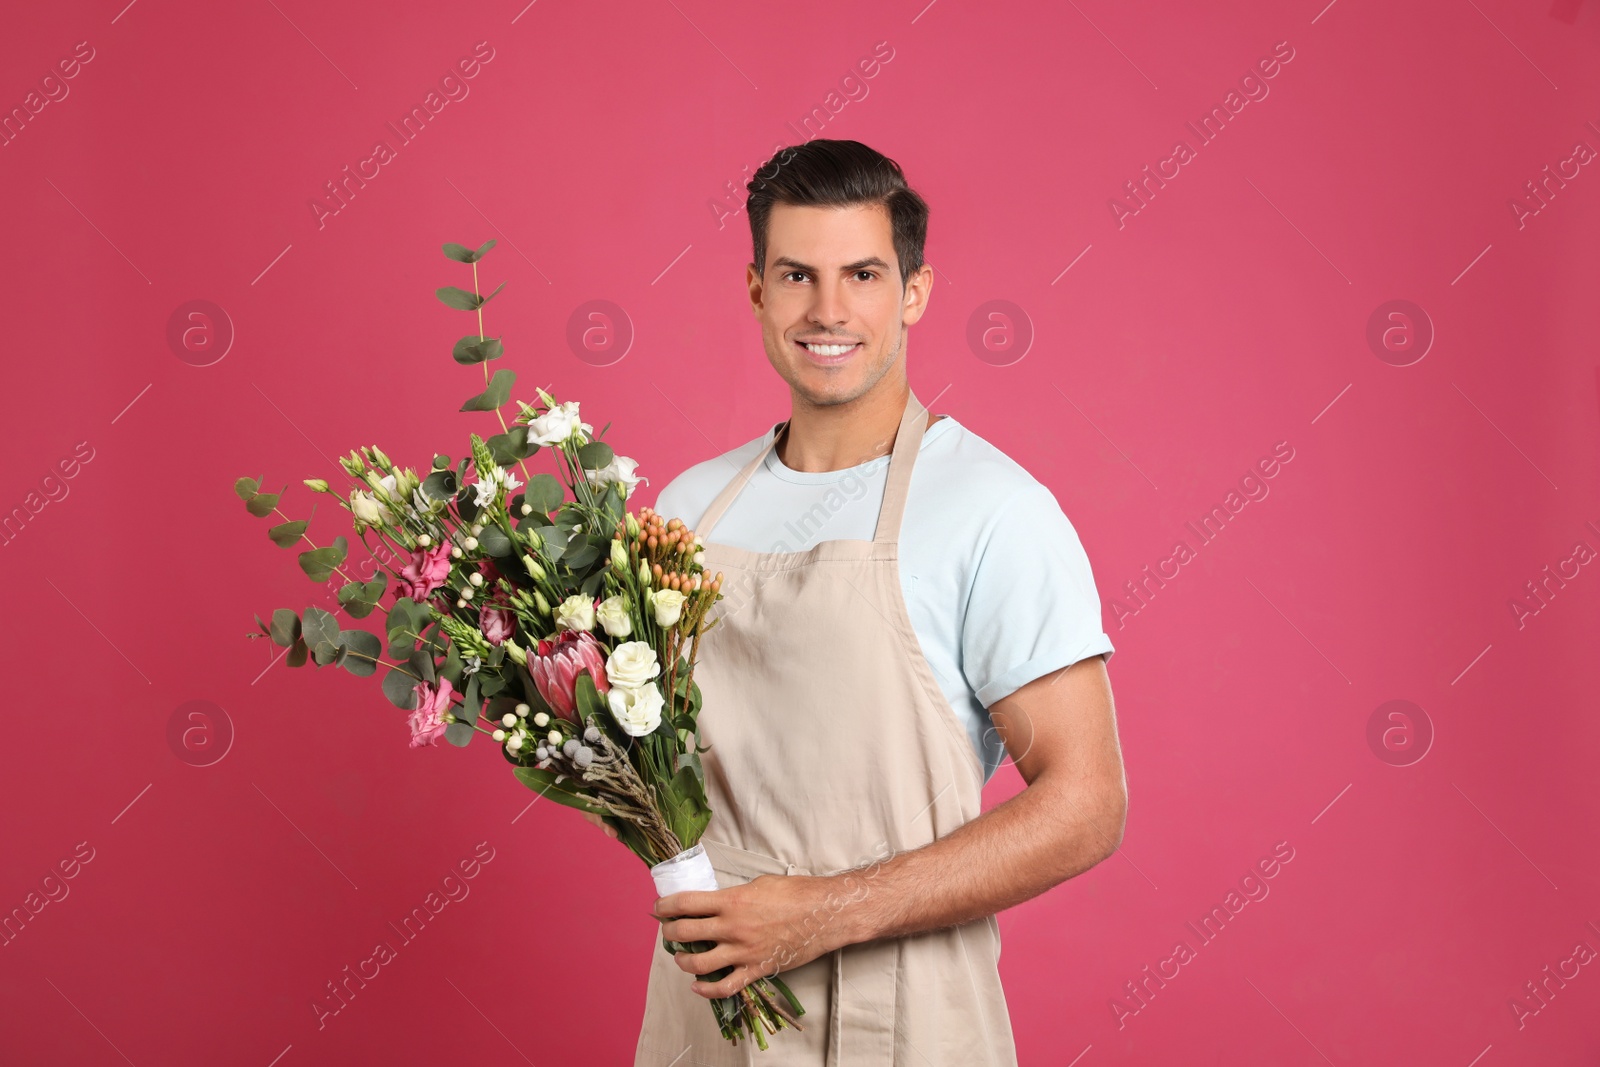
(832, 277)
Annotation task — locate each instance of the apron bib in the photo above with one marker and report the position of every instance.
(832, 746)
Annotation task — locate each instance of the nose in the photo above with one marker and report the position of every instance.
(828, 307)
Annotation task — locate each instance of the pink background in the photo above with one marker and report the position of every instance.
(1229, 314)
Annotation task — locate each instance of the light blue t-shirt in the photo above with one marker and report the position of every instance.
(996, 582)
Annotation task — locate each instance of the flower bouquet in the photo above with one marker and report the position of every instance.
(538, 612)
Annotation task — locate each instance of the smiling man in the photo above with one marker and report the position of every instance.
(906, 607)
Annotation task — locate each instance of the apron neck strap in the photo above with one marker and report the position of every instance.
(907, 442)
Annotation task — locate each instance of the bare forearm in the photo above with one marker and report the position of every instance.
(1042, 836)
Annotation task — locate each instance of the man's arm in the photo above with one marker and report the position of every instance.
(1060, 730)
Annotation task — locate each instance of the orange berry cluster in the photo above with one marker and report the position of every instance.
(670, 545)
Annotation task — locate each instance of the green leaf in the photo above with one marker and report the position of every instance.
(319, 563)
(297, 654)
(565, 792)
(246, 488)
(404, 624)
(440, 485)
(471, 700)
(467, 502)
(285, 628)
(470, 350)
(261, 504)
(320, 630)
(494, 541)
(364, 650)
(420, 663)
(590, 702)
(458, 734)
(582, 551)
(554, 539)
(452, 667)
(459, 299)
(508, 448)
(545, 492)
(495, 396)
(286, 534)
(691, 760)
(492, 295)
(462, 254)
(489, 684)
(400, 689)
(595, 454)
(360, 598)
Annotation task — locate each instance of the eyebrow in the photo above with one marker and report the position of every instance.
(848, 268)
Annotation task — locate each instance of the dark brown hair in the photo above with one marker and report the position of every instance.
(824, 173)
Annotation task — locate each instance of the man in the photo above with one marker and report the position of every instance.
(885, 642)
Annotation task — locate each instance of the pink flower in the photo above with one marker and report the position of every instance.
(497, 624)
(427, 721)
(555, 666)
(426, 572)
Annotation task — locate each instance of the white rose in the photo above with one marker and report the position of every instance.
(637, 711)
(669, 606)
(613, 616)
(575, 613)
(632, 664)
(620, 469)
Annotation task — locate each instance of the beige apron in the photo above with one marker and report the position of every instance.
(831, 745)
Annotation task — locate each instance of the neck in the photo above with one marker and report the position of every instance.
(834, 437)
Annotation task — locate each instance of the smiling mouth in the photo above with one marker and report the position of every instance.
(829, 353)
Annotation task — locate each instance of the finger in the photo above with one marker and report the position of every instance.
(689, 902)
(693, 930)
(709, 961)
(726, 987)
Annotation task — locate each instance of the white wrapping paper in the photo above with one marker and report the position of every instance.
(689, 869)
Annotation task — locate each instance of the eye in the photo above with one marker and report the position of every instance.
(870, 274)
(790, 274)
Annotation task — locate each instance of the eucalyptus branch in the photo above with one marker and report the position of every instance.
(313, 544)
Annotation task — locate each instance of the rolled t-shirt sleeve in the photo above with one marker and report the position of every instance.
(1033, 607)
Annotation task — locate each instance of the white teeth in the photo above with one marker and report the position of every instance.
(829, 350)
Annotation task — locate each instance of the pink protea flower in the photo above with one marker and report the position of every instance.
(555, 666)
(427, 721)
(425, 572)
(497, 624)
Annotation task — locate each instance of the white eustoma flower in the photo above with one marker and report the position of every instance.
(637, 711)
(557, 424)
(366, 508)
(632, 664)
(669, 606)
(613, 616)
(491, 482)
(620, 469)
(576, 613)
